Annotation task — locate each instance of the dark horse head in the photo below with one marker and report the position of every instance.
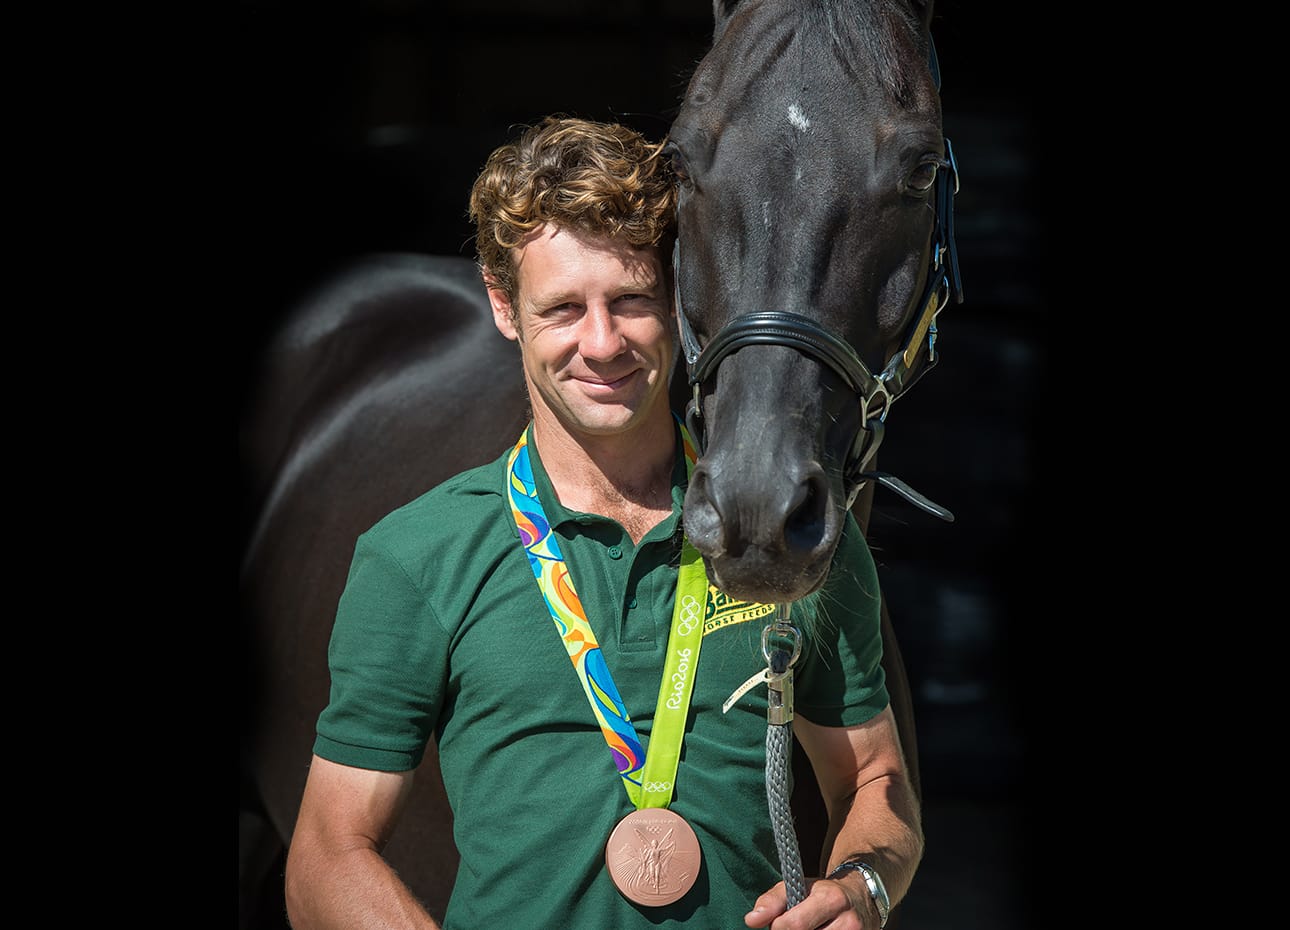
(815, 248)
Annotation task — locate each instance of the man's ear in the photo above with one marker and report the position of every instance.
(503, 313)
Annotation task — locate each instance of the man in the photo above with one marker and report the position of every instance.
(539, 616)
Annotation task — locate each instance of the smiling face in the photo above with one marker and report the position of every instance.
(593, 319)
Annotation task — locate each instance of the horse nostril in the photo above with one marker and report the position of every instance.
(703, 523)
(804, 527)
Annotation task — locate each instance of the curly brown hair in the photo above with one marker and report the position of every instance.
(601, 178)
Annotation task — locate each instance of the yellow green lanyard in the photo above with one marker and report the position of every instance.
(648, 778)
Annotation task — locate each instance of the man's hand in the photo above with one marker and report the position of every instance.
(841, 904)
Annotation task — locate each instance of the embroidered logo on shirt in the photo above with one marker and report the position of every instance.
(723, 611)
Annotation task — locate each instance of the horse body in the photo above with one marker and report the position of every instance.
(797, 142)
(386, 381)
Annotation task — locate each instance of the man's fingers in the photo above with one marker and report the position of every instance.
(767, 907)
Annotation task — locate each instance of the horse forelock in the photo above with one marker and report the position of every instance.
(881, 52)
(884, 42)
(888, 36)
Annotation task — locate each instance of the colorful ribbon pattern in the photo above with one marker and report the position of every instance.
(553, 578)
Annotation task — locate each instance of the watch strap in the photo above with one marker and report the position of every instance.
(877, 890)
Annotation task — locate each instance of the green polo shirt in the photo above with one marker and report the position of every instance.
(442, 632)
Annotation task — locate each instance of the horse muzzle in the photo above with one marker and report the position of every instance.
(766, 503)
(771, 546)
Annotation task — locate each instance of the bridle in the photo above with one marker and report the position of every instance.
(876, 393)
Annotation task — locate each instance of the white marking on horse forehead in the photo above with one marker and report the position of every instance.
(765, 213)
(798, 118)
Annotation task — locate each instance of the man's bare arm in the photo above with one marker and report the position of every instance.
(336, 878)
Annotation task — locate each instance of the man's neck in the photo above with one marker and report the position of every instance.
(625, 476)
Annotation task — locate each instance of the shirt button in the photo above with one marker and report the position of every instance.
(632, 603)
(615, 552)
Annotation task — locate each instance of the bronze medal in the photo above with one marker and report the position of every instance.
(653, 856)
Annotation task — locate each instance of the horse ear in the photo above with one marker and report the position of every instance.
(722, 10)
(923, 10)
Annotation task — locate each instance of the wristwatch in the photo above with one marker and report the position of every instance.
(877, 890)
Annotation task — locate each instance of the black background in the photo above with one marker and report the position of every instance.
(364, 126)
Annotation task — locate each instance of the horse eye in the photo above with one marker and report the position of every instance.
(924, 176)
(678, 163)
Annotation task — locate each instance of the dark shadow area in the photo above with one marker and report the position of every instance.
(364, 126)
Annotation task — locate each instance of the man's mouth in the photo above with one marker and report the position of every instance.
(608, 384)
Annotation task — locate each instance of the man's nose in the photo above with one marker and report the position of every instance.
(600, 338)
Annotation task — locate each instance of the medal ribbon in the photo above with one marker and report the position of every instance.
(648, 778)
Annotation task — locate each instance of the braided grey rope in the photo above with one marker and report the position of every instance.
(779, 738)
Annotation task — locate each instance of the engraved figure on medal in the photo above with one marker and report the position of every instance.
(653, 857)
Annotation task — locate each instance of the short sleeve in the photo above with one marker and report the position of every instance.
(388, 660)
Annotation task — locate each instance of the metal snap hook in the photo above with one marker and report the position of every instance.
(787, 632)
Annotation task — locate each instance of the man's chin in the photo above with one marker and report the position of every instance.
(602, 422)
(607, 419)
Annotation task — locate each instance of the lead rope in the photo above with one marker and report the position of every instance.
(779, 742)
(778, 675)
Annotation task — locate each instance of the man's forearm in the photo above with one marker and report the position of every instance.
(881, 826)
(351, 890)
